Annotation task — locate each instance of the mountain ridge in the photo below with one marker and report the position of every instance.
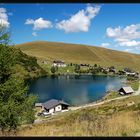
(79, 53)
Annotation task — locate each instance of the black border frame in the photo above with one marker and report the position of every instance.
(67, 1)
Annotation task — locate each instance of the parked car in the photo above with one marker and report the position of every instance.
(46, 113)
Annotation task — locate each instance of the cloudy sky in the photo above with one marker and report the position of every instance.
(114, 26)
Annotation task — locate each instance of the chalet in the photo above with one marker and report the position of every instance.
(112, 69)
(84, 65)
(121, 72)
(59, 63)
(105, 70)
(129, 72)
(126, 90)
(53, 106)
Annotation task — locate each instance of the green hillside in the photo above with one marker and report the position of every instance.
(21, 65)
(77, 53)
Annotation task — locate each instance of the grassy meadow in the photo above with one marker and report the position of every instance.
(80, 54)
(117, 118)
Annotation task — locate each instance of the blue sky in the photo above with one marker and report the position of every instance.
(114, 26)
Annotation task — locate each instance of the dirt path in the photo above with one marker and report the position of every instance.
(100, 103)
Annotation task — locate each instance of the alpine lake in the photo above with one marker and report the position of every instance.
(75, 90)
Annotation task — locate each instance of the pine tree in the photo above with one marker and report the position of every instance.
(16, 105)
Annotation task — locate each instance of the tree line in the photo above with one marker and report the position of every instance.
(16, 105)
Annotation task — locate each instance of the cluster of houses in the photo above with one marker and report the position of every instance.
(109, 69)
(125, 71)
(58, 63)
(129, 72)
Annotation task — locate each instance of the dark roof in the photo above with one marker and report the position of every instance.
(127, 89)
(84, 64)
(53, 102)
(58, 61)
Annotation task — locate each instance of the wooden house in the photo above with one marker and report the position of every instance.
(52, 106)
(126, 90)
(59, 63)
(112, 69)
(84, 65)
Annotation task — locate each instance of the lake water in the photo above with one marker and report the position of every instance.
(75, 91)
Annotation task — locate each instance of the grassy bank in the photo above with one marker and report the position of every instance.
(111, 95)
(134, 84)
(117, 118)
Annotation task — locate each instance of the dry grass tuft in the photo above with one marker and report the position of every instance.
(118, 124)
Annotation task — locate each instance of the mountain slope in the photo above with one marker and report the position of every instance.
(80, 54)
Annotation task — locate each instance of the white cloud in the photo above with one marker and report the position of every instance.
(105, 44)
(79, 21)
(125, 36)
(4, 17)
(34, 34)
(39, 23)
(130, 43)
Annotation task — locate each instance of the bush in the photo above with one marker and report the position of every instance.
(77, 68)
(54, 69)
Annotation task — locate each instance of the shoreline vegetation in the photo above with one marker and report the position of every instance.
(53, 69)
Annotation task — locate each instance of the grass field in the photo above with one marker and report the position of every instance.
(117, 118)
(80, 54)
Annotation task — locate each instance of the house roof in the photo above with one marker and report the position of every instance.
(58, 61)
(128, 89)
(53, 102)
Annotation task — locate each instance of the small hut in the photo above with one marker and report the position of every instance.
(59, 63)
(38, 106)
(126, 90)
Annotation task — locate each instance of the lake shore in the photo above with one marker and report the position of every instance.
(102, 101)
(71, 88)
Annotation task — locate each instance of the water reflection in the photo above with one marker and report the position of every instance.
(75, 91)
